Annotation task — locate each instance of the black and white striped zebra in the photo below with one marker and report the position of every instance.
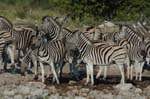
(50, 27)
(21, 38)
(94, 55)
(66, 34)
(136, 49)
(50, 52)
(129, 39)
(4, 41)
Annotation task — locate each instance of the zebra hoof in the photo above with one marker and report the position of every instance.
(85, 84)
(36, 77)
(22, 74)
(104, 78)
(4, 70)
(97, 77)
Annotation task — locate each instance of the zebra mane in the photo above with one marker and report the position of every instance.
(51, 19)
(131, 29)
(67, 30)
(8, 22)
(84, 37)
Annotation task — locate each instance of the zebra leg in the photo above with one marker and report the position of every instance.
(99, 71)
(87, 73)
(35, 63)
(5, 57)
(18, 58)
(71, 69)
(141, 69)
(128, 72)
(62, 64)
(11, 52)
(136, 66)
(1, 63)
(54, 72)
(43, 73)
(128, 67)
(23, 69)
(131, 72)
(105, 72)
(122, 73)
(91, 73)
(74, 70)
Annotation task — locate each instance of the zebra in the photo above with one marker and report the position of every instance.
(53, 29)
(66, 34)
(136, 48)
(129, 39)
(50, 27)
(73, 58)
(147, 50)
(21, 38)
(50, 52)
(141, 28)
(4, 41)
(93, 55)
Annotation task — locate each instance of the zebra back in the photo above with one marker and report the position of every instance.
(100, 55)
(23, 37)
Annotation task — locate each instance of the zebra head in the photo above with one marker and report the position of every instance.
(122, 33)
(142, 47)
(46, 19)
(5, 24)
(61, 20)
(37, 41)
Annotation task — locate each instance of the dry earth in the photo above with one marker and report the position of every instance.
(15, 86)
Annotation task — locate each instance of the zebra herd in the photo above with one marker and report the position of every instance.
(50, 42)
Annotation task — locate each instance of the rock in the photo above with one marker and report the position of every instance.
(106, 96)
(52, 89)
(79, 97)
(84, 90)
(70, 87)
(18, 97)
(37, 84)
(6, 97)
(70, 94)
(140, 97)
(146, 91)
(24, 90)
(83, 94)
(37, 92)
(138, 90)
(45, 93)
(127, 93)
(9, 93)
(93, 94)
(72, 82)
(119, 97)
(56, 96)
(75, 91)
(125, 87)
(67, 98)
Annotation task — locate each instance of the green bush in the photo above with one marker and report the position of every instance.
(81, 11)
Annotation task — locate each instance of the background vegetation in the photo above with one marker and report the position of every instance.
(81, 11)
